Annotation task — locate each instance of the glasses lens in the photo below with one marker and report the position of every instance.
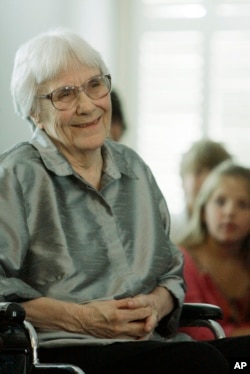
(64, 97)
(98, 87)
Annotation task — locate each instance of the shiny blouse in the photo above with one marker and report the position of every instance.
(61, 238)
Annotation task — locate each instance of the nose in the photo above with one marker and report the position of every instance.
(85, 104)
(229, 208)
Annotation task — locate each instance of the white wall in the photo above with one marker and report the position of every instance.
(96, 20)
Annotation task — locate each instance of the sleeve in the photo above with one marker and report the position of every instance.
(173, 278)
(174, 282)
(14, 240)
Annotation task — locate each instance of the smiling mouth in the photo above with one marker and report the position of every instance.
(88, 124)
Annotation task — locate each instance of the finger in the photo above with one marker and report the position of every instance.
(138, 301)
(124, 303)
(138, 314)
(150, 323)
(136, 329)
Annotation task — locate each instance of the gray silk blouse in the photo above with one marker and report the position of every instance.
(63, 239)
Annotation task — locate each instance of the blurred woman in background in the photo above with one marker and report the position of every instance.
(216, 248)
(196, 164)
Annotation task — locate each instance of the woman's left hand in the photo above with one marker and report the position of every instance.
(161, 303)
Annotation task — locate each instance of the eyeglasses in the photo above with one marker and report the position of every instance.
(64, 98)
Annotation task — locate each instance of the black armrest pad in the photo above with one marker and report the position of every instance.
(192, 311)
(11, 312)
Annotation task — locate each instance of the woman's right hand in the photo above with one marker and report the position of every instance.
(113, 319)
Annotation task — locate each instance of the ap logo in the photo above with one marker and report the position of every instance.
(240, 365)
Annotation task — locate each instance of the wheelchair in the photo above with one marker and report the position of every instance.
(19, 341)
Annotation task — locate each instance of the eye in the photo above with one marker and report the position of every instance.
(244, 204)
(64, 93)
(220, 200)
(95, 83)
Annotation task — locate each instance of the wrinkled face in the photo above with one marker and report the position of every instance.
(192, 183)
(79, 129)
(227, 212)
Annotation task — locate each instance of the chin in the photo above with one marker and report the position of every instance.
(91, 144)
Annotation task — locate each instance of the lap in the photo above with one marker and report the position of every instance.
(139, 357)
(236, 347)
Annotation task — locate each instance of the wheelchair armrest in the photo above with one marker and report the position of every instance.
(198, 315)
(202, 315)
(11, 312)
(192, 311)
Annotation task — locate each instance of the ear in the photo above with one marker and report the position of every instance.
(36, 120)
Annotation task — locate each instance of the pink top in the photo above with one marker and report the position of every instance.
(201, 288)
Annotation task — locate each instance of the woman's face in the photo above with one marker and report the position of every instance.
(227, 212)
(79, 129)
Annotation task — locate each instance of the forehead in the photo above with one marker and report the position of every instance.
(233, 185)
(71, 77)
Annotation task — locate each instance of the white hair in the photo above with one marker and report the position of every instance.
(43, 58)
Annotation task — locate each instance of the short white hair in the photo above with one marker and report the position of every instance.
(42, 59)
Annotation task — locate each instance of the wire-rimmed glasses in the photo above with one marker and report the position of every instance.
(64, 98)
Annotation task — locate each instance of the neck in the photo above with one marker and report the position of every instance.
(87, 164)
(222, 250)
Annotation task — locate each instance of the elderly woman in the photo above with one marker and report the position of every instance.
(84, 227)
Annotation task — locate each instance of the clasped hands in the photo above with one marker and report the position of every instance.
(129, 318)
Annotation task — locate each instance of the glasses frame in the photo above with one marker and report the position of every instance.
(80, 88)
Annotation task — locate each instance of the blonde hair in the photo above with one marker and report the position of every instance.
(196, 232)
(203, 154)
